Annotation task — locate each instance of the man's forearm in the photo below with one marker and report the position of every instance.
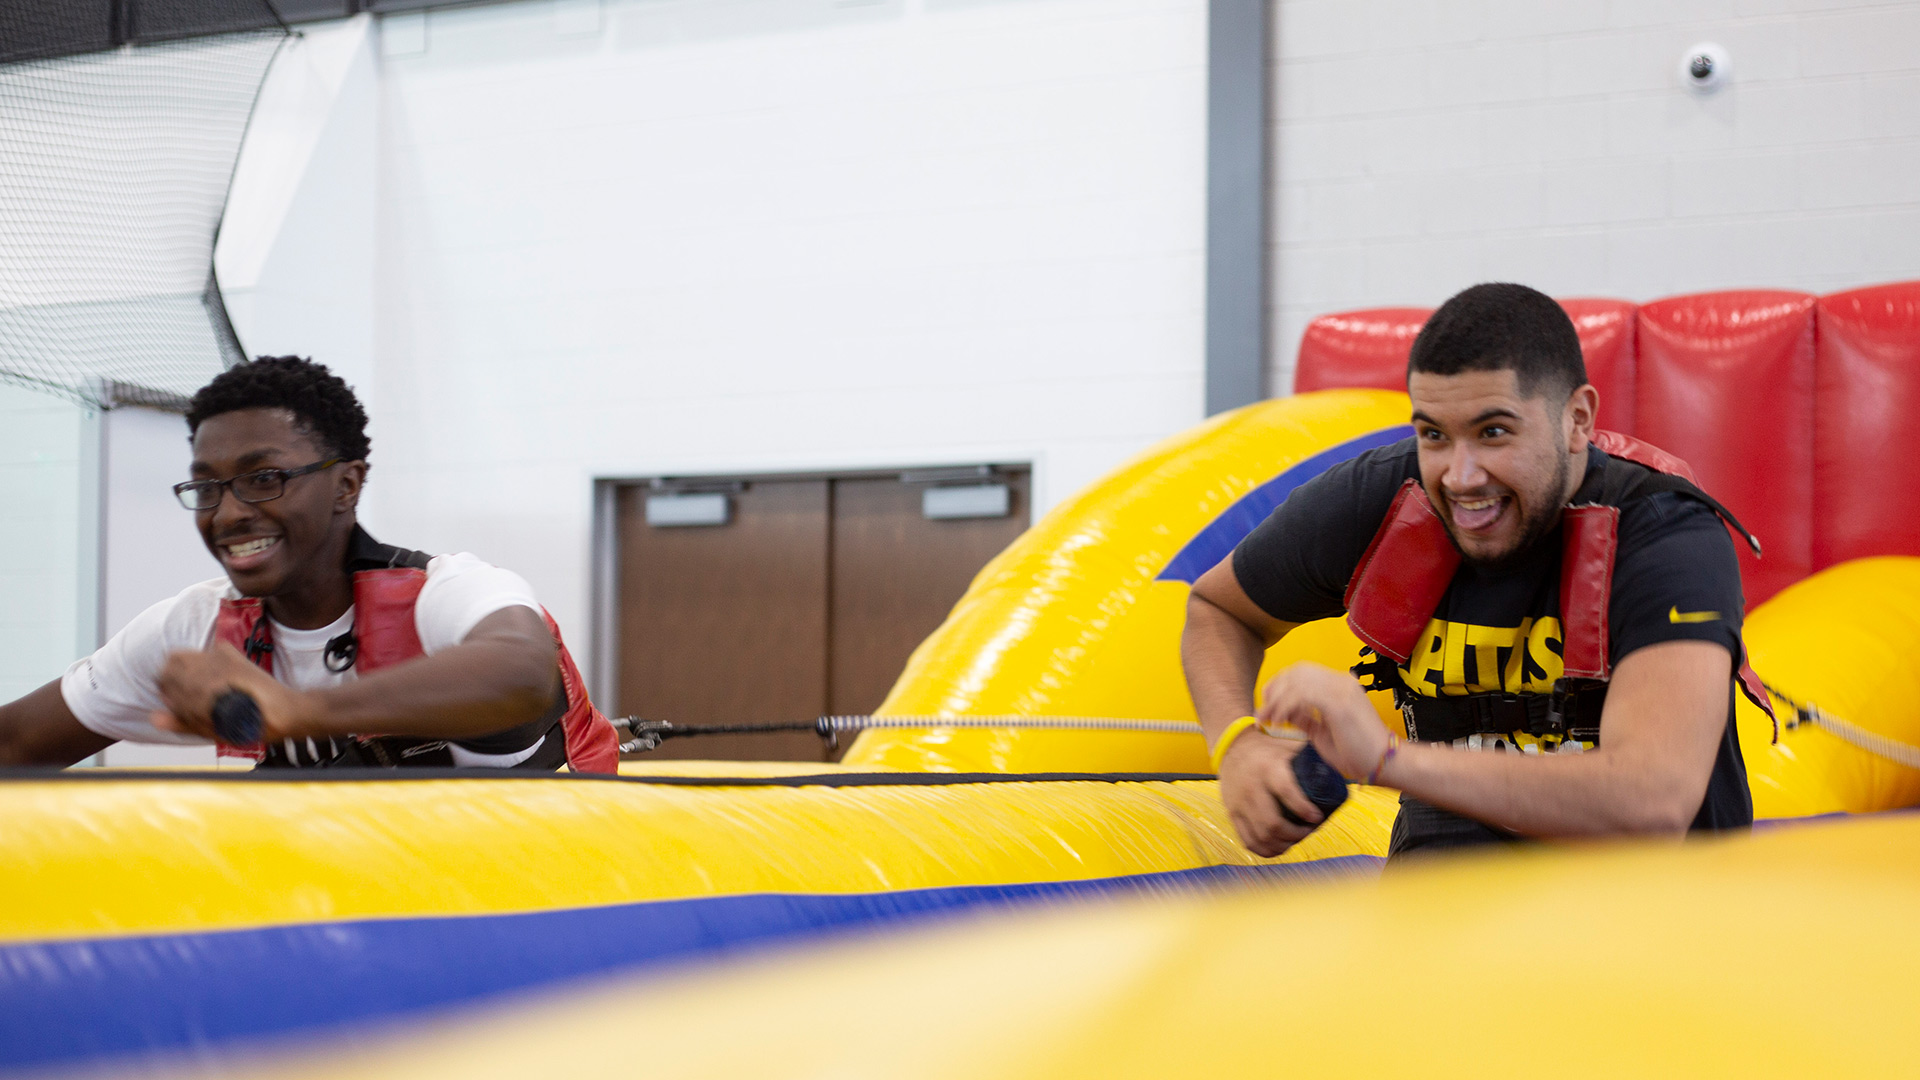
(1221, 657)
(473, 689)
(39, 729)
(1556, 795)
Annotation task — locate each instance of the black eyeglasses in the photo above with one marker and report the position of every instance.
(261, 485)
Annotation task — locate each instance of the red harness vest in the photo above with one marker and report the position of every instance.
(383, 625)
(1411, 560)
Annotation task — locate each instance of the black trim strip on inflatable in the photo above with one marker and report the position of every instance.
(303, 776)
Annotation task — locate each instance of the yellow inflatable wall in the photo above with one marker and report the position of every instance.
(1848, 640)
(1072, 619)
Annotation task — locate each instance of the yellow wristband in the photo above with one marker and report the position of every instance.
(1234, 730)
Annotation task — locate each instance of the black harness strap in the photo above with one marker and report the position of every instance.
(366, 553)
(1571, 711)
(1656, 482)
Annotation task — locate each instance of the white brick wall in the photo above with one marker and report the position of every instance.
(1423, 145)
(741, 235)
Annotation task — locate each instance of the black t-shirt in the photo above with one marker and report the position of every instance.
(1674, 578)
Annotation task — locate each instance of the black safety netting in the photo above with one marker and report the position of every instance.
(114, 170)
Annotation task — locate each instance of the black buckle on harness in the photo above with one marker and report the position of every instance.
(1381, 673)
(1500, 713)
(1575, 710)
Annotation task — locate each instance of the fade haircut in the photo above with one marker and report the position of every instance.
(1500, 326)
(322, 404)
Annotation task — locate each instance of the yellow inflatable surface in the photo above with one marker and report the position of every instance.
(85, 858)
(1787, 954)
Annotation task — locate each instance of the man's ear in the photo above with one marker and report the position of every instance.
(1577, 418)
(346, 493)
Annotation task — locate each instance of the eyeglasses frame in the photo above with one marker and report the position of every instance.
(225, 487)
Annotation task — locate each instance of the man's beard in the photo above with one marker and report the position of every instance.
(1540, 520)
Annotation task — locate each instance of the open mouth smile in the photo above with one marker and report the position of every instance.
(1477, 514)
(248, 553)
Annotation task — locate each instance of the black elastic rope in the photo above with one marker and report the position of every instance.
(308, 776)
(679, 731)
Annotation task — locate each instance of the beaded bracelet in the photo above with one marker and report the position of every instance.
(1393, 747)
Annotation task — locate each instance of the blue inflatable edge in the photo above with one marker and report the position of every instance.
(1224, 533)
(204, 997)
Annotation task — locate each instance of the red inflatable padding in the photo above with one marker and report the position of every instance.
(1606, 340)
(1725, 382)
(1358, 348)
(1866, 490)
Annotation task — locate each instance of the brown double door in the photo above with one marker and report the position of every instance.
(807, 602)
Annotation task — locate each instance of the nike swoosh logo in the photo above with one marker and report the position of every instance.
(1675, 615)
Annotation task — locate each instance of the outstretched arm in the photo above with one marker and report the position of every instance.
(1665, 714)
(1225, 637)
(39, 729)
(503, 673)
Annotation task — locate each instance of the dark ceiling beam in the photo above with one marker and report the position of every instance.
(40, 29)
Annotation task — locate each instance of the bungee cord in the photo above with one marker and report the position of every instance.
(649, 734)
(1846, 731)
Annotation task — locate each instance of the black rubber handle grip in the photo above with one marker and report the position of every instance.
(236, 719)
(1319, 781)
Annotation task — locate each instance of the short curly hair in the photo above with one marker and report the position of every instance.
(1501, 326)
(322, 404)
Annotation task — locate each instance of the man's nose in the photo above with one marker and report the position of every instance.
(230, 511)
(1464, 472)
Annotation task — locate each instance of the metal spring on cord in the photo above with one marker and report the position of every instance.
(649, 734)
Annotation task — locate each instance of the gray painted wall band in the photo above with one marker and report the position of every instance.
(1236, 286)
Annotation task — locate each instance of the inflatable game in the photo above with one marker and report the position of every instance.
(349, 925)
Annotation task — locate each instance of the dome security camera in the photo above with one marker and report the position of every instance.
(1705, 67)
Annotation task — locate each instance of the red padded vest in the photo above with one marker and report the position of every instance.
(1411, 560)
(383, 625)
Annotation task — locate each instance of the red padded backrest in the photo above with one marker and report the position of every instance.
(1866, 489)
(1369, 348)
(1725, 382)
(1606, 340)
(1358, 348)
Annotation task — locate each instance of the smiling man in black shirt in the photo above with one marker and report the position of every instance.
(1574, 612)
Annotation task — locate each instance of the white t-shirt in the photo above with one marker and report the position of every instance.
(114, 691)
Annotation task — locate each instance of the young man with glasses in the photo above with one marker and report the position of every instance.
(354, 653)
